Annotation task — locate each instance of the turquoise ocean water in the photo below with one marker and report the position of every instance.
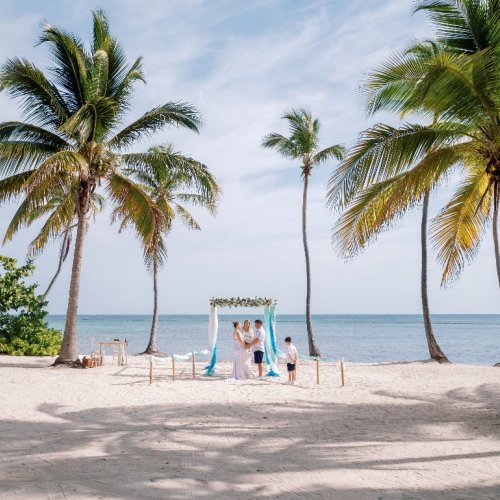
(359, 338)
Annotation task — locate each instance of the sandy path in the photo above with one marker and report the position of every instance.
(410, 430)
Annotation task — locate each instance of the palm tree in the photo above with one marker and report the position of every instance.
(164, 183)
(71, 138)
(303, 144)
(389, 170)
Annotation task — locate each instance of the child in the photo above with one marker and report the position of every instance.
(292, 357)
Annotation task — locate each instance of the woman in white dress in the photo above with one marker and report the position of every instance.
(238, 354)
(247, 337)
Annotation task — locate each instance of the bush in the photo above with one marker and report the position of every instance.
(23, 331)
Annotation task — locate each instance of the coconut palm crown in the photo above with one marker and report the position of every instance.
(452, 84)
(72, 138)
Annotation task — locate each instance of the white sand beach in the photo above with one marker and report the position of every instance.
(407, 430)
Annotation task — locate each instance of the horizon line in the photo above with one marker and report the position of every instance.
(283, 314)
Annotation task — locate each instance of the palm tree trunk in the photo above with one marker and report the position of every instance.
(495, 230)
(69, 348)
(152, 348)
(62, 256)
(434, 350)
(313, 348)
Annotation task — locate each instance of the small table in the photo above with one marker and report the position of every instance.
(122, 352)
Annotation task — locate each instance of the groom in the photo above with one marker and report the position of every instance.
(258, 346)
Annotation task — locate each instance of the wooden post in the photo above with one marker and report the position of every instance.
(194, 366)
(173, 367)
(317, 371)
(342, 381)
(151, 370)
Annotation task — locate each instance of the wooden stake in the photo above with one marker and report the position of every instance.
(151, 371)
(173, 368)
(317, 371)
(342, 381)
(194, 366)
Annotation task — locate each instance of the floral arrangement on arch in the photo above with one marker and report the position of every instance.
(242, 301)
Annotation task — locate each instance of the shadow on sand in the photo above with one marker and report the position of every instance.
(219, 451)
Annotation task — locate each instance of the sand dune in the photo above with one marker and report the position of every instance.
(408, 430)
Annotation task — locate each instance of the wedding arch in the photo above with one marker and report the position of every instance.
(270, 349)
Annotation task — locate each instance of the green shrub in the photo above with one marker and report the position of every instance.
(23, 331)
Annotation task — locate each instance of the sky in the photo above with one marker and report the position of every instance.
(242, 64)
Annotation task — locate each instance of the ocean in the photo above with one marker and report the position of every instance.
(473, 339)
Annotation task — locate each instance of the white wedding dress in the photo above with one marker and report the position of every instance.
(248, 337)
(239, 356)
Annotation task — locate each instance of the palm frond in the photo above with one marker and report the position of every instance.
(52, 170)
(163, 163)
(198, 200)
(337, 152)
(29, 210)
(19, 131)
(71, 65)
(458, 227)
(12, 187)
(391, 86)
(56, 224)
(465, 26)
(19, 156)
(282, 144)
(133, 206)
(40, 100)
(187, 218)
(382, 152)
(377, 208)
(92, 120)
(179, 114)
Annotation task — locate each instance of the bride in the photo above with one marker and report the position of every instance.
(239, 354)
(247, 337)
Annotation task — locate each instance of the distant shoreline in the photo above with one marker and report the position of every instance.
(256, 313)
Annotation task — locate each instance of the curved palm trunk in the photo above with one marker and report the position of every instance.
(313, 348)
(152, 348)
(495, 230)
(69, 348)
(62, 257)
(434, 350)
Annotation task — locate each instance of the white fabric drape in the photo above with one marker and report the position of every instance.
(213, 328)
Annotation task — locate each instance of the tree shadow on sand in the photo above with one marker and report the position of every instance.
(248, 451)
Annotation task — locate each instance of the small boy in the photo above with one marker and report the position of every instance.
(292, 357)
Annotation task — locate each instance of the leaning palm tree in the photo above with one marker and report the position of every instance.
(389, 170)
(303, 144)
(72, 133)
(164, 184)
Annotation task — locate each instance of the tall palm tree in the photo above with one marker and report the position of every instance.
(164, 183)
(390, 169)
(303, 144)
(72, 136)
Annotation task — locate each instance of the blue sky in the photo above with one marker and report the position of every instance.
(243, 63)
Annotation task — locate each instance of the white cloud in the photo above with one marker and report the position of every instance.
(243, 64)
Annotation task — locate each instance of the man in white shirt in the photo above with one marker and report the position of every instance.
(258, 346)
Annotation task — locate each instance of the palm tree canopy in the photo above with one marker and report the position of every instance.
(72, 139)
(303, 141)
(152, 195)
(455, 80)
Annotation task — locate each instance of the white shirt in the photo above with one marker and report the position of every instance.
(260, 334)
(291, 354)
